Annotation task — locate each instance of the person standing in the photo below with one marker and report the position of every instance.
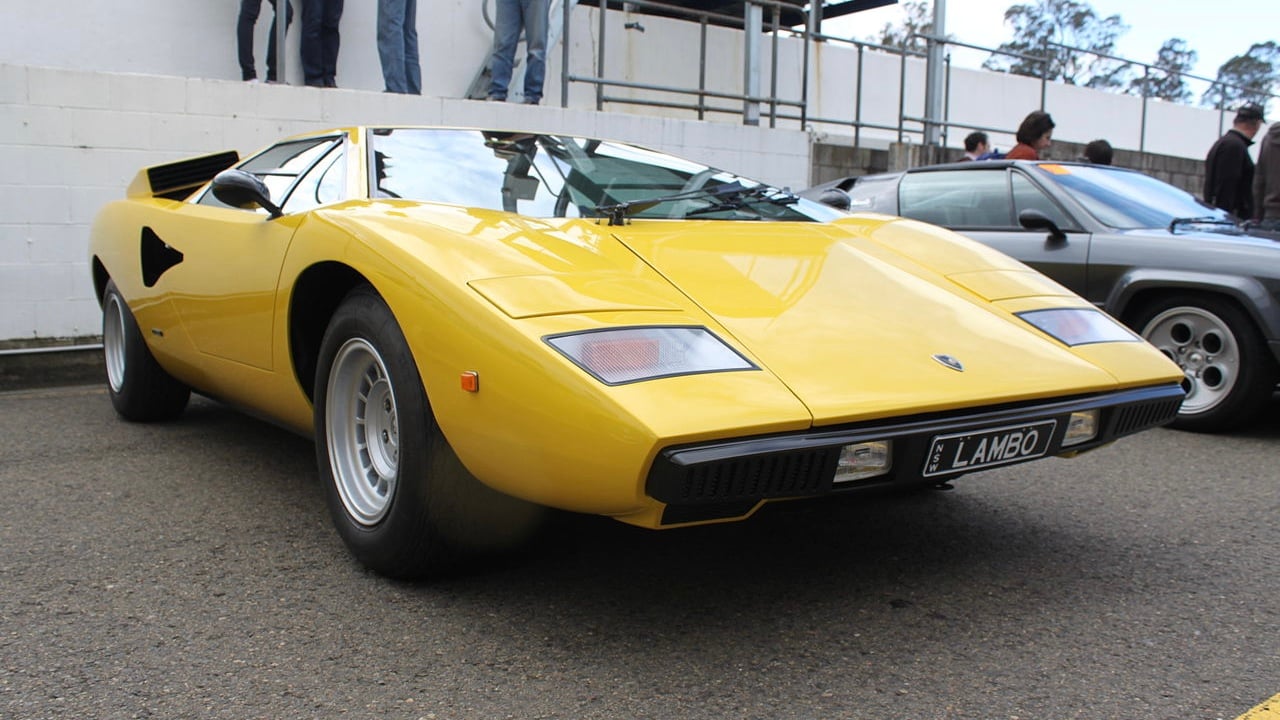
(398, 46)
(320, 41)
(249, 10)
(1266, 181)
(510, 17)
(1228, 169)
(1034, 136)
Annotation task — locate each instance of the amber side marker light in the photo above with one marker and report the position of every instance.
(471, 381)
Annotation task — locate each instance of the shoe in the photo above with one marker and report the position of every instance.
(535, 101)
(495, 98)
(251, 80)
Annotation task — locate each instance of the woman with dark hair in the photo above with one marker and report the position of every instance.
(1034, 136)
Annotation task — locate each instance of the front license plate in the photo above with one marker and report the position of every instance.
(975, 450)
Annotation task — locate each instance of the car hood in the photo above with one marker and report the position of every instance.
(847, 320)
(853, 317)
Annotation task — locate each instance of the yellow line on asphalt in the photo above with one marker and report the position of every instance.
(1268, 710)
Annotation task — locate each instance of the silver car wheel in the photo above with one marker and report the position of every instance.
(363, 431)
(113, 341)
(1203, 345)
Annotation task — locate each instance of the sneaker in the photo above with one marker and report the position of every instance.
(251, 80)
(495, 98)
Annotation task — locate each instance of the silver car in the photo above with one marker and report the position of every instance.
(1185, 275)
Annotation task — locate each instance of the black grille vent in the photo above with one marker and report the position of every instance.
(782, 475)
(1132, 418)
(190, 173)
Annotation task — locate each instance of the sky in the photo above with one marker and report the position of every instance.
(1217, 31)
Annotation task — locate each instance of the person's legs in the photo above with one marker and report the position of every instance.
(391, 46)
(412, 67)
(332, 16)
(535, 37)
(312, 53)
(244, 38)
(506, 32)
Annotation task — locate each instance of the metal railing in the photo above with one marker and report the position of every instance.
(798, 109)
(750, 100)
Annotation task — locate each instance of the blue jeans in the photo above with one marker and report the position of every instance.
(249, 10)
(398, 46)
(320, 41)
(511, 16)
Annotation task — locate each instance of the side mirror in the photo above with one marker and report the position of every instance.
(238, 188)
(1032, 219)
(836, 198)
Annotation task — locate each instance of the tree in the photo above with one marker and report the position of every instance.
(1062, 40)
(1165, 79)
(1251, 77)
(917, 20)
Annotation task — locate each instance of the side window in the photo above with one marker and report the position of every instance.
(281, 165)
(958, 199)
(324, 183)
(1027, 196)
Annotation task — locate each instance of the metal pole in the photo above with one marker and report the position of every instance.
(857, 103)
(604, 8)
(934, 75)
(564, 56)
(702, 69)
(773, 72)
(1146, 94)
(753, 26)
(282, 24)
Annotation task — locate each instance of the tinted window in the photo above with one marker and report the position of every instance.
(958, 199)
(1026, 196)
(1126, 199)
(324, 183)
(279, 166)
(556, 176)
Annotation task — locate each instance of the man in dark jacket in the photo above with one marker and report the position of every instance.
(1228, 169)
(1266, 181)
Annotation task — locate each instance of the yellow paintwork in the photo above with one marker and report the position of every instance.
(841, 318)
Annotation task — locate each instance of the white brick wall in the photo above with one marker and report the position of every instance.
(70, 141)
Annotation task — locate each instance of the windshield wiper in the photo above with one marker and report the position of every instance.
(1206, 220)
(725, 196)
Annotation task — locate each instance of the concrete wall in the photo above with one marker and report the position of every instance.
(197, 39)
(70, 141)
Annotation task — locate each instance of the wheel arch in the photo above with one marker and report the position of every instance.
(1140, 288)
(315, 297)
(100, 278)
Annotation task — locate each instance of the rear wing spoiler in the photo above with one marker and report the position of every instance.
(177, 180)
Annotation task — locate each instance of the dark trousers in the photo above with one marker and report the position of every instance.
(244, 38)
(320, 41)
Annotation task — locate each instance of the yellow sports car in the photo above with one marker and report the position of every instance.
(475, 325)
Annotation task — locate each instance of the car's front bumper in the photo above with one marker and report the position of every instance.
(727, 479)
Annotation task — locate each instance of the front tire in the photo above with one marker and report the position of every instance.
(1229, 374)
(140, 389)
(401, 500)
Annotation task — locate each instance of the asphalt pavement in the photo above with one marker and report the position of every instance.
(189, 570)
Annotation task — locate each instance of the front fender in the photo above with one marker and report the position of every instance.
(1252, 295)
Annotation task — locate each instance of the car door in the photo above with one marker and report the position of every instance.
(983, 203)
(224, 286)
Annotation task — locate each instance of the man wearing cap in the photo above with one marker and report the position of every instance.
(1228, 169)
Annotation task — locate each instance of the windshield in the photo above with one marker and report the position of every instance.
(1128, 200)
(558, 176)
